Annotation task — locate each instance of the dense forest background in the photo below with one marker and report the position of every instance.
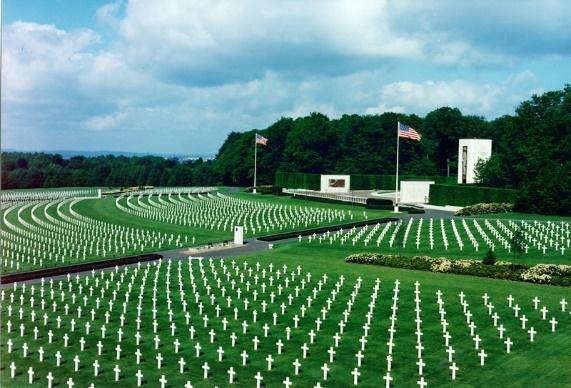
(531, 152)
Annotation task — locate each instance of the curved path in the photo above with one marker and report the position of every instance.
(251, 245)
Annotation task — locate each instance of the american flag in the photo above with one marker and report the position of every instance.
(408, 132)
(261, 140)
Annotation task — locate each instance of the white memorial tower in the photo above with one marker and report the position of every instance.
(470, 151)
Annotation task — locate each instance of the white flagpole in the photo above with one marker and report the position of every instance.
(255, 161)
(396, 209)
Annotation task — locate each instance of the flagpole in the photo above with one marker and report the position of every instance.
(255, 162)
(396, 208)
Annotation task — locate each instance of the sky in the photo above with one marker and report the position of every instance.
(177, 76)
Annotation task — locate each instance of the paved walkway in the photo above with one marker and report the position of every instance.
(252, 245)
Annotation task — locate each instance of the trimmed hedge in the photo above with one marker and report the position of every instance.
(559, 275)
(387, 182)
(265, 189)
(379, 203)
(465, 195)
(325, 200)
(299, 180)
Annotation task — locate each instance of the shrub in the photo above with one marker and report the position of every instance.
(540, 273)
(265, 189)
(544, 273)
(379, 203)
(485, 208)
(490, 258)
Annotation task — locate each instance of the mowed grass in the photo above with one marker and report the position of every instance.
(409, 247)
(105, 210)
(55, 189)
(545, 362)
(522, 216)
(351, 213)
(201, 237)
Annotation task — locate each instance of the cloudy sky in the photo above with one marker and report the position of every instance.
(179, 75)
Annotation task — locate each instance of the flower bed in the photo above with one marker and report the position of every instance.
(559, 275)
(485, 208)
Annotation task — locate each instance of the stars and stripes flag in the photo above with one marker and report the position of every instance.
(261, 140)
(408, 132)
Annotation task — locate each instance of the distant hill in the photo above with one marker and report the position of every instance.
(66, 154)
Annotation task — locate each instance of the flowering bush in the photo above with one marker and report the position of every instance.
(540, 273)
(544, 273)
(485, 208)
(441, 266)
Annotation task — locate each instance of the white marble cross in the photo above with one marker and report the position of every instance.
(454, 369)
(231, 374)
(356, 375)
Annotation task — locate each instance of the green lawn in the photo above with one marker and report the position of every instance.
(45, 244)
(408, 247)
(523, 216)
(44, 252)
(52, 189)
(105, 210)
(541, 363)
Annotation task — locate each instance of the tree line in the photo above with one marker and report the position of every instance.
(531, 152)
(32, 170)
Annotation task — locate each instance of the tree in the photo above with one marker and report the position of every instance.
(517, 243)
(311, 145)
(444, 126)
(490, 258)
(492, 172)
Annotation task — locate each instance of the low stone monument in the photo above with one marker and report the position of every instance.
(239, 235)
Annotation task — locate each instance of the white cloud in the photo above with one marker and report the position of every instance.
(108, 13)
(484, 99)
(105, 122)
(183, 73)
(38, 58)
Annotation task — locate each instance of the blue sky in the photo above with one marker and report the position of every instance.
(179, 75)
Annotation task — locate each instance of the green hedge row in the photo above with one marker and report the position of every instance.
(465, 195)
(299, 180)
(387, 182)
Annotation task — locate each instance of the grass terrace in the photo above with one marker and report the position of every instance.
(294, 305)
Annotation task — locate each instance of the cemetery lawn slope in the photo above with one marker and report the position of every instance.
(319, 304)
(541, 363)
(522, 216)
(105, 209)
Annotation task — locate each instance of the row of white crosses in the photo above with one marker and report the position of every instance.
(223, 212)
(418, 332)
(496, 319)
(555, 236)
(446, 335)
(156, 339)
(23, 196)
(42, 236)
(543, 235)
(392, 330)
(176, 190)
(472, 327)
(97, 306)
